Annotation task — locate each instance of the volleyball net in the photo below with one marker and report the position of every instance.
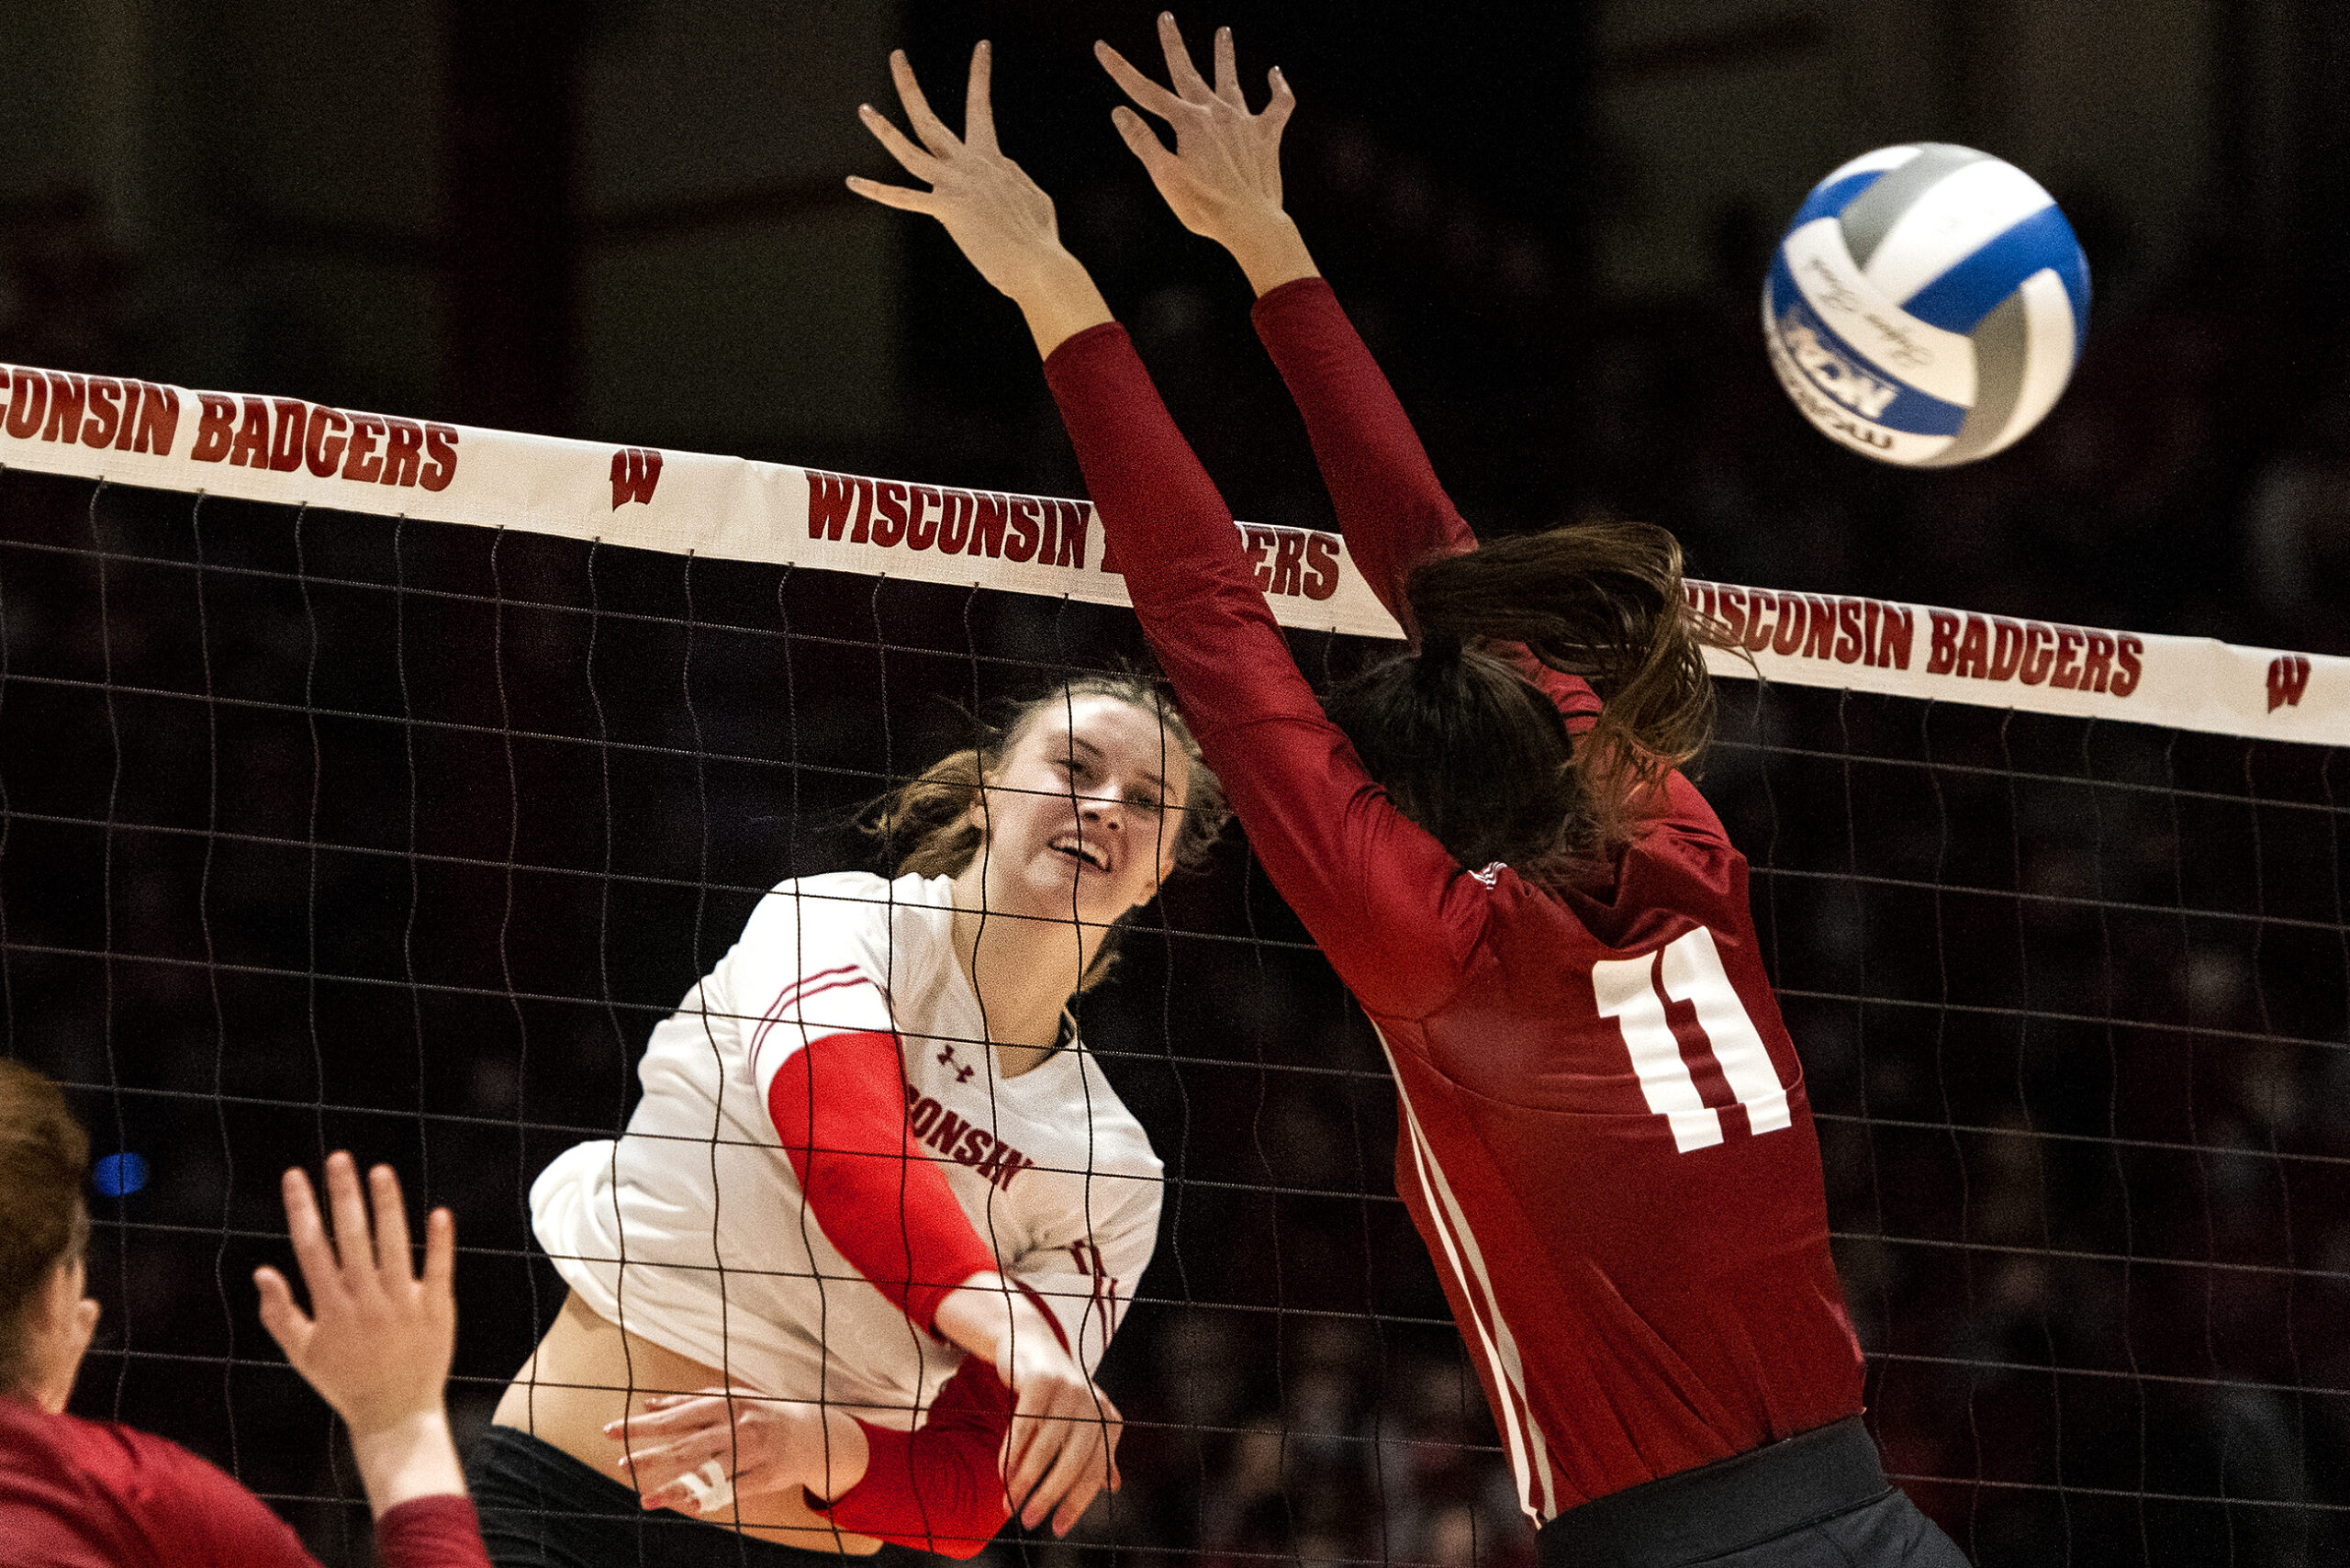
(376, 783)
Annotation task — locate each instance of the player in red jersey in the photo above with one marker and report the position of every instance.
(77, 1493)
(1604, 1136)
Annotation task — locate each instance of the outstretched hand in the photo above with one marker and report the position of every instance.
(377, 1341)
(1223, 179)
(996, 215)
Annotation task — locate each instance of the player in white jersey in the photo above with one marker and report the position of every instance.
(845, 1277)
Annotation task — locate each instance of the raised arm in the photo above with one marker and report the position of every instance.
(1222, 181)
(1375, 891)
(377, 1345)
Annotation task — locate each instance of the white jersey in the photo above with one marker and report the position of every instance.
(691, 1229)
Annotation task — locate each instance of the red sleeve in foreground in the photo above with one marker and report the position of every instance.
(74, 1492)
(840, 1107)
(431, 1532)
(939, 1488)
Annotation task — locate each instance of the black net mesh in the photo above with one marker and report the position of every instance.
(331, 830)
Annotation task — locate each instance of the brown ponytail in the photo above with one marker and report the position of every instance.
(1472, 751)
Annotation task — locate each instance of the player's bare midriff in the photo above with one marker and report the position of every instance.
(587, 1372)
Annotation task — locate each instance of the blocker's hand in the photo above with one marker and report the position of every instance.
(767, 1447)
(1223, 178)
(992, 210)
(377, 1341)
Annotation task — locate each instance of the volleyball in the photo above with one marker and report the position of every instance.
(1927, 305)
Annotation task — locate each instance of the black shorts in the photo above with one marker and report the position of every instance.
(541, 1509)
(1817, 1500)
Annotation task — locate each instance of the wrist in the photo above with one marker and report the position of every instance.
(993, 1319)
(977, 1313)
(1059, 300)
(405, 1458)
(841, 1456)
(1271, 252)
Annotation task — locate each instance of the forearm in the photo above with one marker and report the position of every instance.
(1270, 252)
(1313, 815)
(1392, 508)
(987, 1314)
(1192, 585)
(846, 1454)
(404, 1460)
(938, 1488)
(1058, 299)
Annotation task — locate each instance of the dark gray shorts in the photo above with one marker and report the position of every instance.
(1817, 1500)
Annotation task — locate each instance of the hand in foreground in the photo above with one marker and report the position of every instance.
(999, 217)
(767, 1447)
(377, 1341)
(1223, 178)
(1063, 1446)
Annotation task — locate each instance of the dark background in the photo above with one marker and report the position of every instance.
(625, 220)
(399, 836)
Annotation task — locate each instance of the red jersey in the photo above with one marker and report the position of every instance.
(77, 1493)
(1604, 1139)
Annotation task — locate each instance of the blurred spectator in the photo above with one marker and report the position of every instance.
(64, 285)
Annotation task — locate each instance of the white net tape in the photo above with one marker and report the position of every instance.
(288, 450)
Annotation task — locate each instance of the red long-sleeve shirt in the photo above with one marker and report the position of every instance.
(77, 1493)
(1604, 1139)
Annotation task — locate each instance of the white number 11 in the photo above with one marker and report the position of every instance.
(1626, 990)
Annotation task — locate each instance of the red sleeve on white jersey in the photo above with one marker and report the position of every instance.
(936, 1488)
(939, 1488)
(839, 1105)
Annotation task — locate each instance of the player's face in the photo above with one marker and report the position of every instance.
(1084, 812)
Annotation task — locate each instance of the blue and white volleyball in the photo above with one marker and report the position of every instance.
(1927, 305)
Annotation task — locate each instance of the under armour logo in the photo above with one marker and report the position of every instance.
(962, 1075)
(945, 1055)
(2288, 677)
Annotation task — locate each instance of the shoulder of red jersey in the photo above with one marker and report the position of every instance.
(103, 1485)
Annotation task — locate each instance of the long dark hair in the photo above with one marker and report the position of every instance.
(1470, 749)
